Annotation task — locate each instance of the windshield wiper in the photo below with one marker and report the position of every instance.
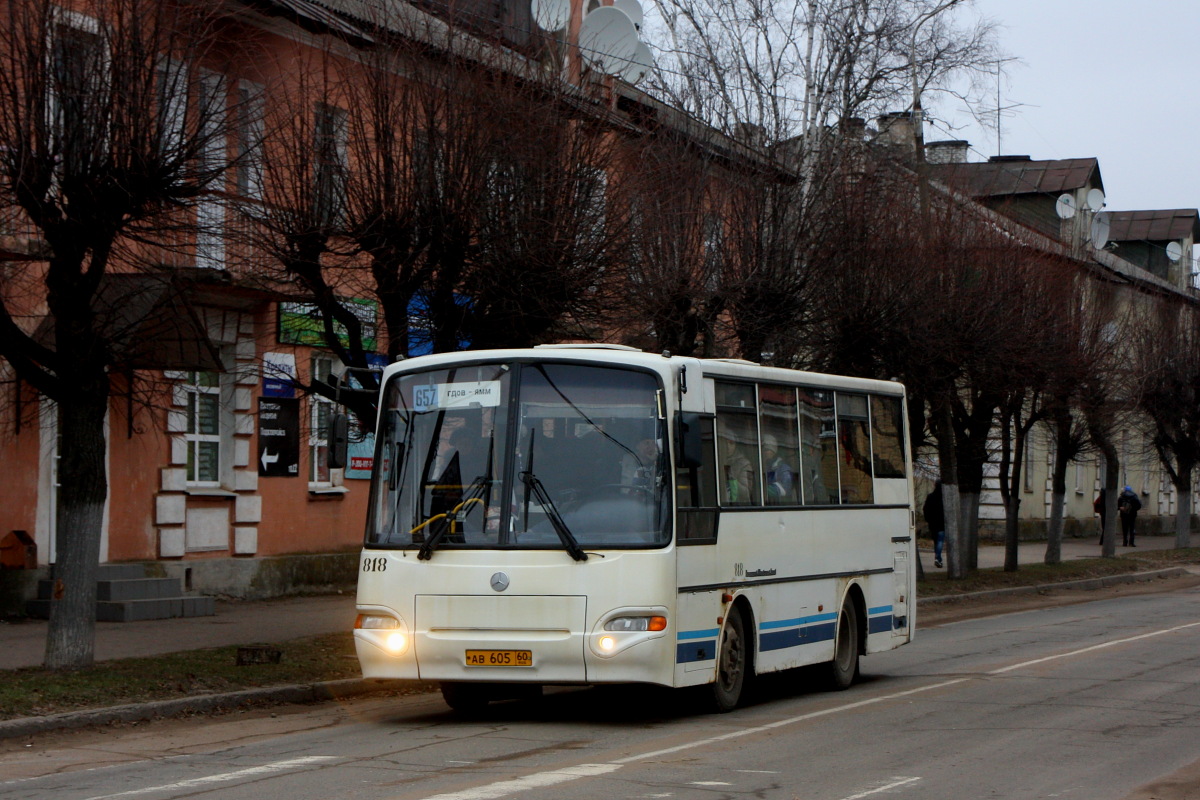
(470, 497)
(556, 521)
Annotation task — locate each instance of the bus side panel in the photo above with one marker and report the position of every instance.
(697, 635)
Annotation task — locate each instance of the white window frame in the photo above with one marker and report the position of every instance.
(193, 390)
(318, 430)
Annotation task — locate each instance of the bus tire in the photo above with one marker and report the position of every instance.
(733, 664)
(843, 669)
(465, 698)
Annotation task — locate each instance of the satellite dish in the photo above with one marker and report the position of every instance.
(551, 15)
(608, 40)
(1174, 251)
(633, 9)
(1065, 207)
(1100, 227)
(640, 65)
(1095, 199)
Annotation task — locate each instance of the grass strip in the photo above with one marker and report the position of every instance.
(34, 691)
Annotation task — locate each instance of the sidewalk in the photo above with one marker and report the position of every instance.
(992, 555)
(23, 644)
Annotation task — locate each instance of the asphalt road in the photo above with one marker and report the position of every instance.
(1096, 700)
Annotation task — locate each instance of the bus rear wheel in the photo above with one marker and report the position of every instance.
(843, 669)
(733, 664)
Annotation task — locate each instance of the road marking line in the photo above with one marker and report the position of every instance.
(265, 769)
(897, 782)
(536, 781)
(789, 721)
(1100, 646)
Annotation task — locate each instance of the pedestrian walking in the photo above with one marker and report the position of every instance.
(935, 518)
(1099, 507)
(1128, 505)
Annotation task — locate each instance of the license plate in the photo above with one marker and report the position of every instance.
(499, 658)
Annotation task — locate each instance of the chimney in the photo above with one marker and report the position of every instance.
(853, 128)
(895, 128)
(950, 151)
(750, 134)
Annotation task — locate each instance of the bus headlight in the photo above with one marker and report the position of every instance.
(607, 644)
(638, 624)
(386, 632)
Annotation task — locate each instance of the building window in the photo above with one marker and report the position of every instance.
(78, 77)
(329, 165)
(320, 411)
(202, 433)
(249, 140)
(210, 212)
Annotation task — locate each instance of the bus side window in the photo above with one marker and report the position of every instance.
(780, 454)
(737, 459)
(887, 436)
(696, 490)
(854, 449)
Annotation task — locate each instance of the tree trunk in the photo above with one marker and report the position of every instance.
(1183, 515)
(968, 522)
(1058, 494)
(1112, 477)
(1054, 528)
(83, 486)
(947, 455)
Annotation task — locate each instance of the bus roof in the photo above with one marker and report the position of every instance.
(736, 369)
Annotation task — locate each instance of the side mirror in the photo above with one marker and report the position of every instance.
(339, 440)
(690, 441)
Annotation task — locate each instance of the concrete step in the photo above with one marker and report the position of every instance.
(134, 610)
(120, 572)
(137, 589)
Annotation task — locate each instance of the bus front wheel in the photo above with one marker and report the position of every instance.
(733, 663)
(465, 698)
(843, 669)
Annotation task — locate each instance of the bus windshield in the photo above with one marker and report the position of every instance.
(521, 455)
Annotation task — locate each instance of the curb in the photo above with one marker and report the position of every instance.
(1085, 583)
(359, 687)
(163, 709)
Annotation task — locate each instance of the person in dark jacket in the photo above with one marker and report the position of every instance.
(935, 517)
(1128, 505)
(1099, 507)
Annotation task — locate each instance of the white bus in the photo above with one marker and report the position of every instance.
(595, 514)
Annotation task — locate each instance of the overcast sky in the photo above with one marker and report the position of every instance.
(1116, 80)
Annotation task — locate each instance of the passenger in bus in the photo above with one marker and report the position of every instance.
(638, 466)
(739, 484)
(778, 471)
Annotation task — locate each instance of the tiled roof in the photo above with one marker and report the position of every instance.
(1154, 226)
(1010, 177)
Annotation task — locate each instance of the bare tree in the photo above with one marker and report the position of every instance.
(1037, 349)
(1086, 349)
(108, 140)
(469, 193)
(1168, 394)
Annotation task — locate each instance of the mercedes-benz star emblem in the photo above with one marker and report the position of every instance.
(499, 581)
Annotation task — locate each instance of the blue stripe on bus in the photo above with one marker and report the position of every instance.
(879, 619)
(792, 623)
(689, 652)
(794, 637)
(706, 634)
